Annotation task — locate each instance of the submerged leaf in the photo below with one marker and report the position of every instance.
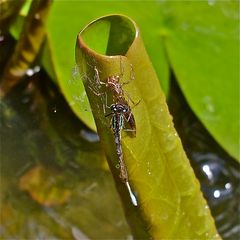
(45, 186)
(27, 48)
(170, 203)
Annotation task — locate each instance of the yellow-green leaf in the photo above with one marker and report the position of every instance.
(170, 203)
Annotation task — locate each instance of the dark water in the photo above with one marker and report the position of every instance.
(218, 173)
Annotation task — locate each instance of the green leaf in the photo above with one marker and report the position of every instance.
(203, 49)
(170, 203)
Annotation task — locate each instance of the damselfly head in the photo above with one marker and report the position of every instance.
(119, 108)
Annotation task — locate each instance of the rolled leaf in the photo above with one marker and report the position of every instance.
(170, 204)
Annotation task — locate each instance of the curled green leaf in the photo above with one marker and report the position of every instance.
(170, 203)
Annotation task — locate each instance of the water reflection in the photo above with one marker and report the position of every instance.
(216, 194)
(218, 179)
(208, 172)
(220, 185)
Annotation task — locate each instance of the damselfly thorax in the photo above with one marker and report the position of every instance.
(113, 82)
(119, 111)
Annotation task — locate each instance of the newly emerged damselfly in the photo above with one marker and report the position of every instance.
(118, 112)
(121, 115)
(118, 94)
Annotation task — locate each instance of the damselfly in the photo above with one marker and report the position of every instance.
(113, 83)
(118, 112)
